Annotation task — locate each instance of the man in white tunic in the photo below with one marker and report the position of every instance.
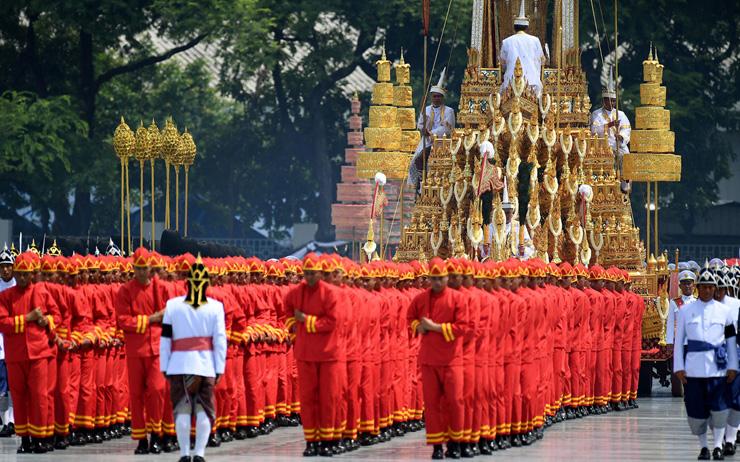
(6, 404)
(724, 283)
(686, 281)
(607, 121)
(440, 121)
(528, 49)
(518, 243)
(707, 328)
(192, 354)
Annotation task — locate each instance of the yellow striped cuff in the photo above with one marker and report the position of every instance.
(414, 324)
(449, 332)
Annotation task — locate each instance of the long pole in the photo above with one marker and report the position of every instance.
(655, 218)
(167, 195)
(128, 209)
(424, 117)
(177, 198)
(186, 201)
(123, 203)
(647, 221)
(141, 203)
(153, 243)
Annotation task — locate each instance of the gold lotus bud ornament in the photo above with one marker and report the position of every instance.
(123, 140)
(143, 149)
(170, 141)
(188, 149)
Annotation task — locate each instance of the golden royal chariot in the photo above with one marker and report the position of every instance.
(544, 154)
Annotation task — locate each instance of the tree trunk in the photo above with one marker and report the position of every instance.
(81, 212)
(322, 170)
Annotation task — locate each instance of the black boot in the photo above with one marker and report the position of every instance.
(325, 449)
(142, 448)
(38, 446)
(61, 442)
(717, 454)
(438, 452)
(484, 447)
(214, 440)
(704, 454)
(466, 450)
(453, 450)
(7, 430)
(25, 447)
(169, 444)
(311, 449)
(241, 434)
(155, 445)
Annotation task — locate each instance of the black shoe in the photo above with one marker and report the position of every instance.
(169, 444)
(516, 441)
(38, 447)
(97, 438)
(527, 439)
(155, 446)
(325, 449)
(475, 448)
(466, 451)
(283, 421)
(225, 436)
(252, 432)
(61, 443)
(241, 434)
(717, 454)
(729, 449)
(7, 430)
(25, 447)
(198, 459)
(438, 452)
(500, 442)
(311, 450)
(185, 459)
(549, 421)
(214, 440)
(453, 450)
(484, 448)
(704, 454)
(493, 445)
(336, 449)
(615, 406)
(142, 448)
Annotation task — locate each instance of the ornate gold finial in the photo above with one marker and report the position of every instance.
(650, 53)
(123, 140)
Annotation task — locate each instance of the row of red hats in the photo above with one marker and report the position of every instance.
(29, 261)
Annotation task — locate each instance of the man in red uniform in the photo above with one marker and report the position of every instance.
(313, 303)
(440, 316)
(28, 316)
(139, 310)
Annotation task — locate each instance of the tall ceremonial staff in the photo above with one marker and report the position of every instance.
(157, 142)
(124, 143)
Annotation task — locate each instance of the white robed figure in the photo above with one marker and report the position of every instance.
(528, 49)
(518, 242)
(608, 121)
(440, 121)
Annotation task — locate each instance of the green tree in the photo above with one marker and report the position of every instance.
(699, 48)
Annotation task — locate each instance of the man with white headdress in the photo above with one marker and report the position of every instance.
(607, 121)
(6, 405)
(724, 283)
(439, 122)
(686, 281)
(705, 361)
(527, 48)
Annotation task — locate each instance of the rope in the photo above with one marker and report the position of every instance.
(596, 27)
